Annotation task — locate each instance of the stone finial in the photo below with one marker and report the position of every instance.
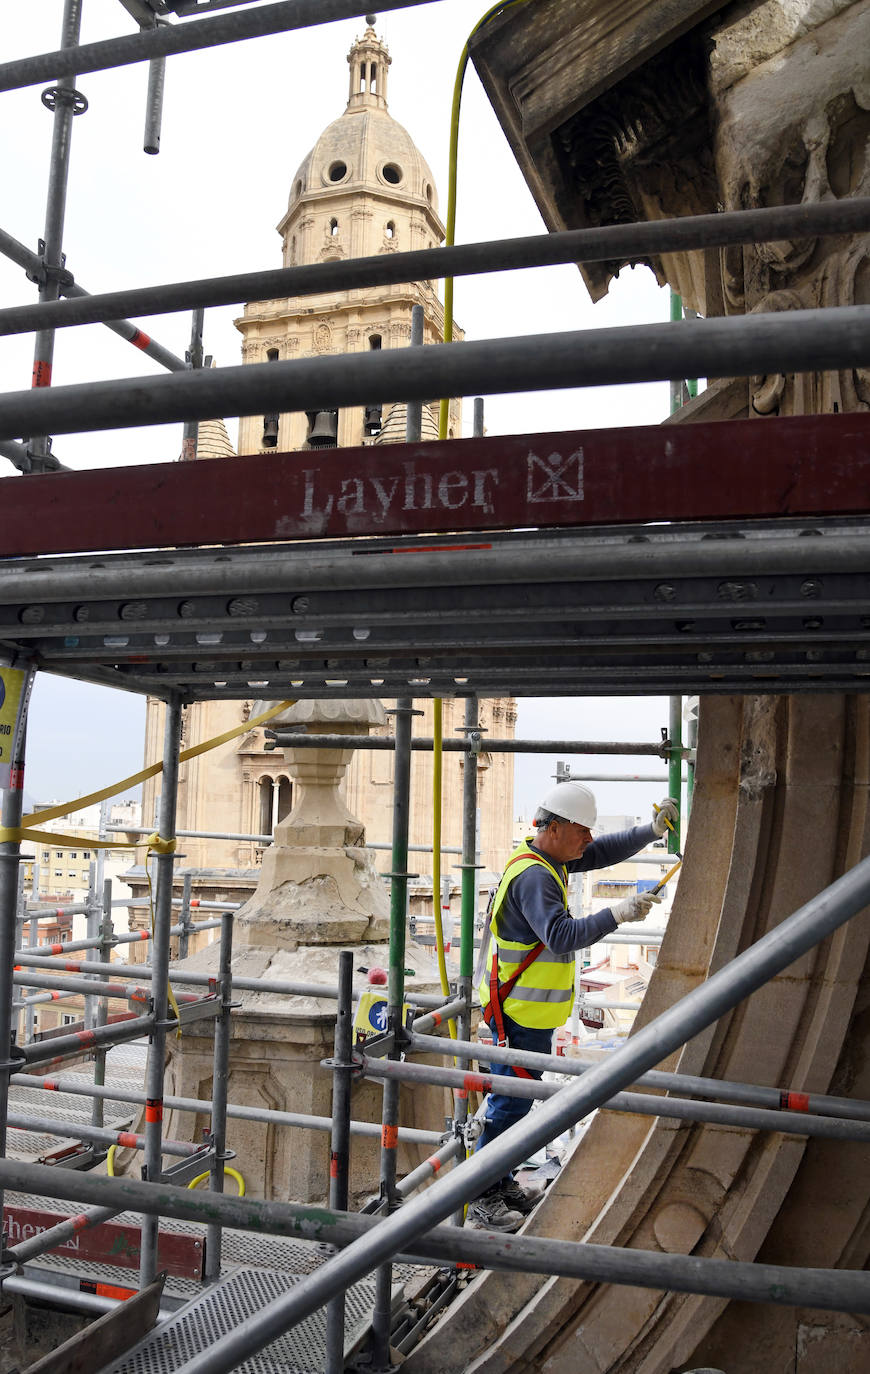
(318, 884)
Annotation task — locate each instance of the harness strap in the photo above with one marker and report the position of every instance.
(498, 991)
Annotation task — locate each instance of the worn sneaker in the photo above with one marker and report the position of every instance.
(491, 1213)
(521, 1199)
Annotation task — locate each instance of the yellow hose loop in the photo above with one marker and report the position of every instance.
(110, 1161)
(233, 1173)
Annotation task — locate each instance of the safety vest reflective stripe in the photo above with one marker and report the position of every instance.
(516, 955)
(542, 995)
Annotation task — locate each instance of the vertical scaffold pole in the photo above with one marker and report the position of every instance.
(675, 765)
(404, 711)
(66, 106)
(468, 908)
(10, 858)
(184, 937)
(160, 984)
(414, 412)
(220, 1088)
(692, 743)
(339, 1159)
(190, 433)
(154, 105)
(105, 952)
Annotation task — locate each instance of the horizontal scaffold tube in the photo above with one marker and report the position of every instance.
(63, 1046)
(80, 1087)
(232, 835)
(97, 1135)
(747, 1094)
(190, 978)
(268, 569)
(55, 1296)
(835, 1290)
(170, 39)
(439, 1017)
(754, 1118)
(57, 1235)
(738, 346)
(452, 1149)
(90, 988)
(624, 241)
(297, 739)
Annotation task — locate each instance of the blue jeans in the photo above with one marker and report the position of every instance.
(503, 1111)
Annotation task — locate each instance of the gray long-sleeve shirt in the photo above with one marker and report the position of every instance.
(534, 909)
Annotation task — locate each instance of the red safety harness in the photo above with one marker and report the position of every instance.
(499, 991)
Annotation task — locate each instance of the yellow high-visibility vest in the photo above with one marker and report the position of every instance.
(544, 992)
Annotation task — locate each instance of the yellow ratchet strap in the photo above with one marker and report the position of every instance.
(12, 834)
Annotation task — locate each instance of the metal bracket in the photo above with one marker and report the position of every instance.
(186, 1169)
(208, 1009)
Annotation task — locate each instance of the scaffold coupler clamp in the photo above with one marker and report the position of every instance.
(355, 1065)
(17, 1058)
(473, 736)
(469, 1132)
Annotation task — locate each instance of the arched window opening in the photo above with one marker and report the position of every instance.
(333, 228)
(272, 355)
(375, 341)
(362, 78)
(390, 229)
(373, 79)
(284, 798)
(265, 826)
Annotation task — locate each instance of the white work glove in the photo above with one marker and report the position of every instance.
(633, 908)
(667, 810)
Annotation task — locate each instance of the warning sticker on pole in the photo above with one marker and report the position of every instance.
(15, 686)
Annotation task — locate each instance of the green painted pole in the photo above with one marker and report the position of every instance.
(676, 384)
(675, 765)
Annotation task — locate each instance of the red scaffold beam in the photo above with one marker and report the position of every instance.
(814, 465)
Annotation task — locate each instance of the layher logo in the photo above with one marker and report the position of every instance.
(555, 478)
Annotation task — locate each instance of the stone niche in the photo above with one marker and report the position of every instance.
(318, 893)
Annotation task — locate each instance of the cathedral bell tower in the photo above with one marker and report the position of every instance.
(365, 188)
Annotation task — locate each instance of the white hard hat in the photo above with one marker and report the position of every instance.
(573, 801)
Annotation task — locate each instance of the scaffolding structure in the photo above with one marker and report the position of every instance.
(636, 607)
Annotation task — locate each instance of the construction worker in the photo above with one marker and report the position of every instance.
(527, 966)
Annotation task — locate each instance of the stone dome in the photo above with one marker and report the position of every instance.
(366, 149)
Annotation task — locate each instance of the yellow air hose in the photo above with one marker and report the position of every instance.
(450, 226)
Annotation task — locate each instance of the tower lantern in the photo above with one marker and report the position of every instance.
(368, 60)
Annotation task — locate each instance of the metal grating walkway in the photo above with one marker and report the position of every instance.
(236, 1299)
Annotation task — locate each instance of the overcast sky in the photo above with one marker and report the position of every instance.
(237, 122)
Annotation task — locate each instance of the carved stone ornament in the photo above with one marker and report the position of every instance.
(323, 338)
